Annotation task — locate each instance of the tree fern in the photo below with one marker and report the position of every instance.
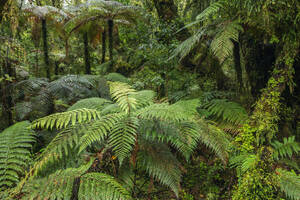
(222, 109)
(159, 163)
(94, 103)
(289, 183)
(15, 144)
(62, 120)
(286, 148)
(244, 162)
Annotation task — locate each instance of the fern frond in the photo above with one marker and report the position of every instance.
(94, 103)
(144, 98)
(15, 144)
(161, 165)
(62, 120)
(123, 137)
(244, 162)
(100, 186)
(211, 10)
(99, 130)
(164, 112)
(224, 110)
(122, 94)
(285, 149)
(215, 139)
(221, 45)
(116, 77)
(289, 183)
(58, 185)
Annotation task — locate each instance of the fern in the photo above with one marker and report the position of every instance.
(90, 103)
(120, 92)
(99, 186)
(244, 162)
(159, 163)
(224, 110)
(15, 144)
(115, 77)
(285, 149)
(221, 45)
(289, 183)
(62, 120)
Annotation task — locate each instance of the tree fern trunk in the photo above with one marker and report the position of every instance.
(103, 46)
(45, 42)
(86, 54)
(237, 64)
(110, 23)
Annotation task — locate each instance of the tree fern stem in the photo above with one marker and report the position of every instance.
(86, 54)
(237, 64)
(103, 46)
(45, 42)
(110, 24)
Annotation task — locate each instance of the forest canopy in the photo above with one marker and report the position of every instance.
(149, 100)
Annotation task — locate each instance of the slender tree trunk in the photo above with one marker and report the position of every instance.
(86, 53)
(7, 102)
(2, 5)
(45, 42)
(110, 42)
(237, 64)
(103, 46)
(37, 63)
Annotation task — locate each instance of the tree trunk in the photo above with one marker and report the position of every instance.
(45, 42)
(2, 5)
(259, 59)
(6, 88)
(237, 64)
(110, 23)
(103, 46)
(86, 54)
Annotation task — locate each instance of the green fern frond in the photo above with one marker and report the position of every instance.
(221, 45)
(211, 10)
(289, 183)
(121, 93)
(100, 129)
(100, 186)
(123, 137)
(285, 149)
(224, 110)
(58, 185)
(244, 162)
(94, 103)
(164, 112)
(215, 139)
(15, 144)
(161, 165)
(116, 77)
(64, 119)
(144, 98)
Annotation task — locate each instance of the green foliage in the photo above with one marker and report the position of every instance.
(90, 103)
(15, 153)
(289, 183)
(224, 110)
(285, 149)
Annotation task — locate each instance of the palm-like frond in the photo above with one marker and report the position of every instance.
(244, 162)
(285, 149)
(91, 103)
(221, 45)
(99, 186)
(15, 144)
(224, 110)
(121, 92)
(62, 120)
(289, 183)
(161, 165)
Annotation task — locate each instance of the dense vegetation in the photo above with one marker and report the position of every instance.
(150, 99)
